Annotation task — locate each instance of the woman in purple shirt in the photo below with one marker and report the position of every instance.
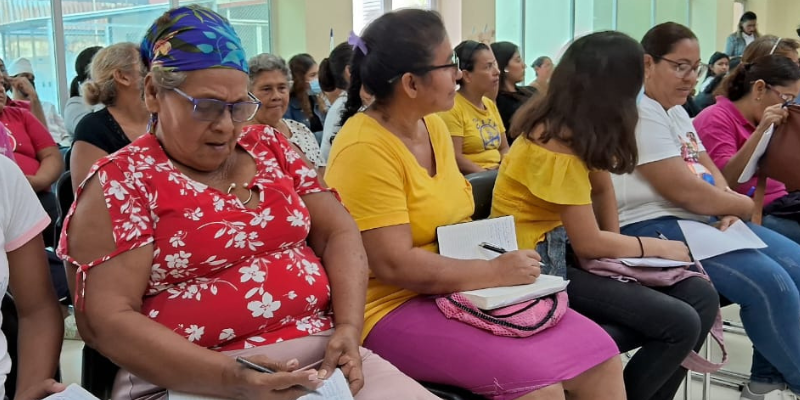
(753, 99)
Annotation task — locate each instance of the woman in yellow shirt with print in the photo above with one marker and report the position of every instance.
(475, 124)
(395, 168)
(556, 183)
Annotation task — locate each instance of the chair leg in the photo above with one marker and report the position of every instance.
(707, 376)
(687, 386)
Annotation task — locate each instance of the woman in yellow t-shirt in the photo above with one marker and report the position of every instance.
(395, 168)
(479, 137)
(555, 181)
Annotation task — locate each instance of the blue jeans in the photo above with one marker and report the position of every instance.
(786, 227)
(765, 284)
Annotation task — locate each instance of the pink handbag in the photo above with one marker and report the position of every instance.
(517, 320)
(662, 277)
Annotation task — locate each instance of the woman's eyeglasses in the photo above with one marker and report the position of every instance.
(683, 69)
(788, 99)
(455, 65)
(212, 109)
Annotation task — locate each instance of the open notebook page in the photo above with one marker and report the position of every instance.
(761, 148)
(462, 241)
(706, 241)
(335, 388)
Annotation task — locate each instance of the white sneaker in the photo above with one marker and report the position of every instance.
(777, 394)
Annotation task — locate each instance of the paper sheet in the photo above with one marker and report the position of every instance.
(752, 165)
(335, 388)
(652, 262)
(706, 241)
(72, 392)
(461, 241)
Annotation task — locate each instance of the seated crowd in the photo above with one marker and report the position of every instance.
(230, 205)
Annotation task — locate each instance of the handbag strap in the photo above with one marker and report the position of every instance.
(695, 362)
(500, 321)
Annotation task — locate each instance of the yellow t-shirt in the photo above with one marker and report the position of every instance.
(382, 184)
(534, 184)
(481, 130)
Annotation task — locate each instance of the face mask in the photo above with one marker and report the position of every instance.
(314, 89)
(640, 96)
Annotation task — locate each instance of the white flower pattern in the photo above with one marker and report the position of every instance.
(223, 275)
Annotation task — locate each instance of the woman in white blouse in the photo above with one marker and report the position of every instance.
(269, 82)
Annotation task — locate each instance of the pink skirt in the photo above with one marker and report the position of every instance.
(419, 340)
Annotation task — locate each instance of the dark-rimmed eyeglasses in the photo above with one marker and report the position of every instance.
(212, 109)
(788, 99)
(424, 70)
(683, 69)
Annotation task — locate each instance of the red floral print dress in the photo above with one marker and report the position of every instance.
(223, 276)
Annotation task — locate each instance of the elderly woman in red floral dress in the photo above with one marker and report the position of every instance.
(195, 244)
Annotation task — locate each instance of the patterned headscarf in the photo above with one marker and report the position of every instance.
(195, 38)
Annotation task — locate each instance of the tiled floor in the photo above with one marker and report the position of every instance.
(739, 350)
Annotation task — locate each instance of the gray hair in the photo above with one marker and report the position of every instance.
(168, 80)
(266, 62)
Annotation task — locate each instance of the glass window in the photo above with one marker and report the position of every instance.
(509, 21)
(547, 31)
(366, 11)
(101, 23)
(396, 4)
(26, 30)
(593, 15)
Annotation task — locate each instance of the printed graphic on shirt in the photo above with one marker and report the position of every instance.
(690, 152)
(487, 128)
(7, 142)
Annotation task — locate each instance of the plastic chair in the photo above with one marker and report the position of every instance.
(64, 199)
(11, 331)
(482, 189)
(97, 373)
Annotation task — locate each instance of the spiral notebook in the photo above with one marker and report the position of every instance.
(462, 241)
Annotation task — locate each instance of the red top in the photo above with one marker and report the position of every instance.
(223, 276)
(724, 130)
(18, 103)
(28, 136)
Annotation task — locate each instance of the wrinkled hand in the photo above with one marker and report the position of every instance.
(285, 384)
(43, 389)
(343, 352)
(24, 86)
(775, 114)
(726, 222)
(517, 267)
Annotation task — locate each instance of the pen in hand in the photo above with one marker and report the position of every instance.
(261, 368)
(661, 235)
(499, 250)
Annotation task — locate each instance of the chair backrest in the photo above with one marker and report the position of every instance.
(482, 188)
(64, 199)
